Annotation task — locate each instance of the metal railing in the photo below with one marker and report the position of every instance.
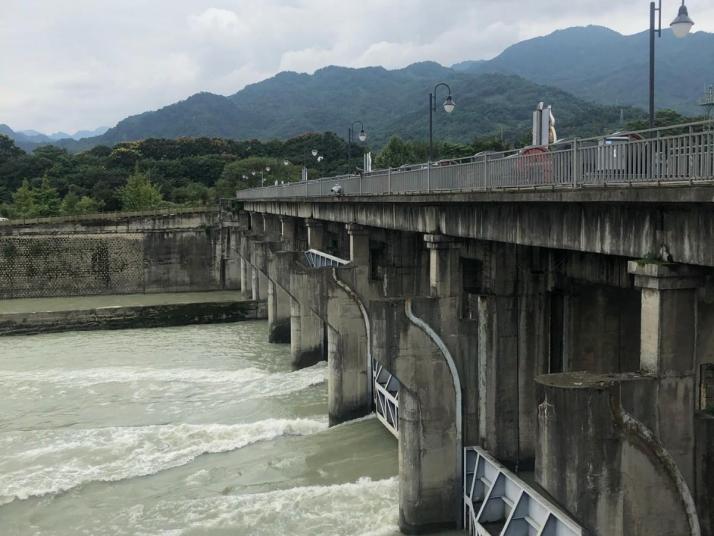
(319, 259)
(386, 398)
(496, 501)
(677, 154)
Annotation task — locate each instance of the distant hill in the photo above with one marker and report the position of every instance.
(389, 102)
(601, 65)
(29, 140)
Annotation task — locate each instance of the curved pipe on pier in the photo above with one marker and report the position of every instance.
(367, 325)
(631, 427)
(427, 329)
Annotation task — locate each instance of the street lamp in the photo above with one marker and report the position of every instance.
(350, 134)
(314, 153)
(449, 106)
(681, 26)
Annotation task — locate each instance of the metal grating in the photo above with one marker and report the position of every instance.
(318, 259)
(498, 503)
(386, 398)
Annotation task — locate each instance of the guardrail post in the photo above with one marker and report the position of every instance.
(428, 177)
(575, 162)
(389, 180)
(360, 183)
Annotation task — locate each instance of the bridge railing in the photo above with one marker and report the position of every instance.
(680, 153)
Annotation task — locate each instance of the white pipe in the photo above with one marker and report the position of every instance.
(637, 428)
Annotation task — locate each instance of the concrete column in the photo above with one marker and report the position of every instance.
(513, 335)
(429, 446)
(349, 375)
(359, 244)
(259, 283)
(444, 273)
(256, 222)
(246, 282)
(596, 458)
(316, 235)
(307, 330)
(288, 233)
(668, 352)
(279, 265)
(272, 227)
(498, 388)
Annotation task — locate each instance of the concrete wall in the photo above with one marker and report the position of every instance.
(628, 222)
(119, 255)
(147, 316)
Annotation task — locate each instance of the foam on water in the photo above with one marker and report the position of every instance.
(247, 383)
(362, 508)
(53, 461)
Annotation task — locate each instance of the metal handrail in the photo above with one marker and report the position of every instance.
(676, 153)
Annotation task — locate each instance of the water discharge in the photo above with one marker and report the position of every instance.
(182, 431)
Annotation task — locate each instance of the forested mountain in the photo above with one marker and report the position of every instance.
(601, 65)
(570, 69)
(388, 102)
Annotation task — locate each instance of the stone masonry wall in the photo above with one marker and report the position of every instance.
(169, 253)
(70, 265)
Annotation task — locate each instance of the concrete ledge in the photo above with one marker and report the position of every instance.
(145, 316)
(643, 193)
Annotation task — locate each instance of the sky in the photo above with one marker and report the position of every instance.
(79, 64)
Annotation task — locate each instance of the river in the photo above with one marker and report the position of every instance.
(182, 431)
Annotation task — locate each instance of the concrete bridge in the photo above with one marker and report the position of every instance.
(537, 329)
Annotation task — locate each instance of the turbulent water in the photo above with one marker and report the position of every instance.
(192, 430)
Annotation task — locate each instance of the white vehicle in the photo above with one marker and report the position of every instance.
(3, 219)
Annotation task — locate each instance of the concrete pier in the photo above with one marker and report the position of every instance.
(556, 330)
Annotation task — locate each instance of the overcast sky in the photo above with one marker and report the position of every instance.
(78, 64)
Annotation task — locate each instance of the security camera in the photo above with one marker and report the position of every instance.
(336, 189)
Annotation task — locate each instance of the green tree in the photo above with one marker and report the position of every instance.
(8, 149)
(139, 193)
(47, 200)
(395, 154)
(88, 205)
(23, 201)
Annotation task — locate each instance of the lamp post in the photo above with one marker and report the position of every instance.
(681, 26)
(304, 162)
(449, 106)
(350, 133)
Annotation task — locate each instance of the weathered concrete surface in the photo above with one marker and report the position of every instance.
(109, 254)
(144, 316)
(308, 336)
(615, 480)
(349, 370)
(704, 424)
(629, 222)
(429, 450)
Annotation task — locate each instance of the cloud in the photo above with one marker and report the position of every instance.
(81, 64)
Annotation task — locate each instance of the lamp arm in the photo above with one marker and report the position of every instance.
(448, 88)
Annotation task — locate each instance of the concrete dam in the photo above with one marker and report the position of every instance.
(535, 330)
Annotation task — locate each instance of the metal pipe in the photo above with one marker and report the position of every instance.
(432, 109)
(654, 30)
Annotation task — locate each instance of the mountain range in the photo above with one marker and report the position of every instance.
(603, 66)
(591, 75)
